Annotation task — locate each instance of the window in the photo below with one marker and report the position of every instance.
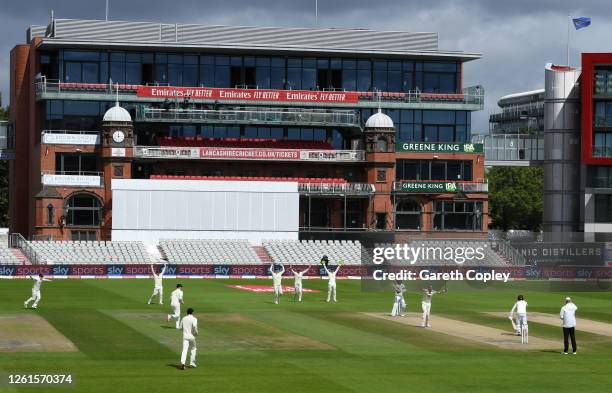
(408, 215)
(457, 170)
(381, 221)
(82, 235)
(603, 208)
(454, 215)
(50, 214)
(381, 144)
(83, 210)
(381, 176)
(602, 144)
(75, 163)
(600, 177)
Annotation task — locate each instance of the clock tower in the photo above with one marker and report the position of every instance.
(117, 146)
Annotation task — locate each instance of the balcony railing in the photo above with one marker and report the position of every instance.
(473, 95)
(337, 189)
(70, 137)
(511, 147)
(439, 186)
(260, 154)
(72, 179)
(267, 116)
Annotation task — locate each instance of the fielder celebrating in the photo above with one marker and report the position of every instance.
(38, 280)
(158, 289)
(277, 278)
(426, 304)
(176, 299)
(520, 307)
(399, 307)
(297, 283)
(189, 324)
(331, 283)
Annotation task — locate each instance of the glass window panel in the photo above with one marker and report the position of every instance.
(118, 72)
(147, 58)
(349, 64)
(431, 133)
(309, 78)
(294, 78)
(380, 80)
(446, 134)
(431, 83)
(277, 62)
(276, 133)
(321, 63)
(394, 65)
(190, 75)
(236, 61)
(161, 58)
(319, 134)
(407, 81)
(207, 59)
(394, 81)
(277, 78)
(72, 72)
(222, 76)
(175, 74)
(447, 83)
(161, 73)
(306, 134)
(133, 73)
(190, 59)
(439, 67)
(81, 55)
(293, 133)
(406, 116)
(439, 117)
(364, 64)
(117, 56)
(364, 80)
(380, 65)
(294, 62)
(133, 57)
(349, 80)
(221, 60)
(207, 75)
(263, 62)
(263, 77)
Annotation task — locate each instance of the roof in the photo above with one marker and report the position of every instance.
(117, 113)
(526, 96)
(379, 120)
(123, 34)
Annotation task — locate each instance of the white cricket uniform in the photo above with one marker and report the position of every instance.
(400, 304)
(426, 306)
(35, 291)
(568, 315)
(521, 313)
(331, 283)
(297, 283)
(189, 325)
(176, 297)
(277, 279)
(158, 289)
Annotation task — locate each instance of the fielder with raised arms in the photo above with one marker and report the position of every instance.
(277, 278)
(297, 283)
(426, 304)
(331, 283)
(38, 280)
(176, 299)
(158, 289)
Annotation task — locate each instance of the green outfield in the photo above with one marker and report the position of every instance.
(114, 342)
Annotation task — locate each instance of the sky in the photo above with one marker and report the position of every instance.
(516, 38)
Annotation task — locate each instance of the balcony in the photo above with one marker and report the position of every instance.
(336, 189)
(512, 149)
(254, 115)
(72, 179)
(260, 154)
(439, 186)
(470, 98)
(70, 137)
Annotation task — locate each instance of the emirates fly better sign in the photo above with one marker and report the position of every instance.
(218, 94)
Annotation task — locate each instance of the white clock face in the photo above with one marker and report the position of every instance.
(118, 136)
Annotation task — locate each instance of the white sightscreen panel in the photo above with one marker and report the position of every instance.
(143, 206)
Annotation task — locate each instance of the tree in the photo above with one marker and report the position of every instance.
(515, 198)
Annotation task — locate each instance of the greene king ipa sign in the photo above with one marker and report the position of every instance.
(427, 186)
(438, 147)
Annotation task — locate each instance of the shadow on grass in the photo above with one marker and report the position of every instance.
(168, 327)
(172, 365)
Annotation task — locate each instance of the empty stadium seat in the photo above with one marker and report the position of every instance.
(310, 252)
(209, 251)
(102, 252)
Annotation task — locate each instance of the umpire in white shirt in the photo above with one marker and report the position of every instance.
(568, 316)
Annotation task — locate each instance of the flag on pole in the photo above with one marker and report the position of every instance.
(581, 22)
